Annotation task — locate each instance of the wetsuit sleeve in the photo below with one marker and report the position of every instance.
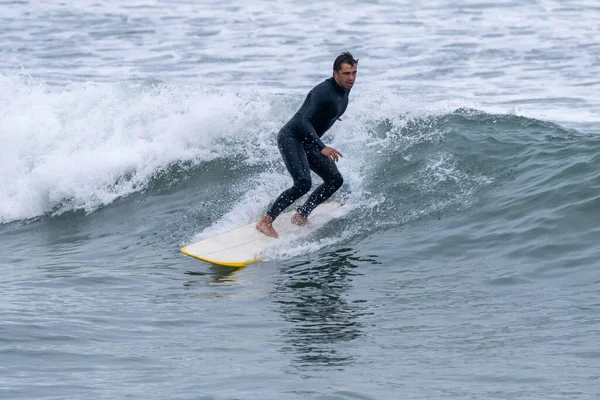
(317, 102)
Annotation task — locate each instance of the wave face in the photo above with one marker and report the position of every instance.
(85, 147)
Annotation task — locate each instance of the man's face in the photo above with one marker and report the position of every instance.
(346, 76)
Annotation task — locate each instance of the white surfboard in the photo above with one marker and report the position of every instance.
(245, 245)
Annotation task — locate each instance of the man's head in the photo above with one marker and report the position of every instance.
(344, 70)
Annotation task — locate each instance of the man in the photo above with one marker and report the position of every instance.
(300, 145)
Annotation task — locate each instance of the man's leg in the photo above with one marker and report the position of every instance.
(296, 162)
(321, 165)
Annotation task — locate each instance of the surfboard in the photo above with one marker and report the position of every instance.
(245, 245)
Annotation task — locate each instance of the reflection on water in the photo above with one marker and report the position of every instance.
(217, 273)
(313, 296)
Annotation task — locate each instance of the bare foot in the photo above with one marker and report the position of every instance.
(299, 219)
(265, 225)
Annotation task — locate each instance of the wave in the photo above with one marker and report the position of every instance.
(84, 147)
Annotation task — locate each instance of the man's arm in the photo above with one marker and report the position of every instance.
(317, 102)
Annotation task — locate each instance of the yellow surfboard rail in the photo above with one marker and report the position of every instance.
(225, 264)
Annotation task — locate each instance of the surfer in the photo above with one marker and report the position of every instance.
(300, 145)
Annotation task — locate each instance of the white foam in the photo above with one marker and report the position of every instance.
(81, 148)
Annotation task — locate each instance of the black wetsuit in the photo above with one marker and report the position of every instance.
(300, 145)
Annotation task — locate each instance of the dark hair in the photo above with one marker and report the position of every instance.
(344, 58)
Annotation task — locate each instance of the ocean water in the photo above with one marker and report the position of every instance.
(466, 266)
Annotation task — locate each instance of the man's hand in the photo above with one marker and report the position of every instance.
(331, 153)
